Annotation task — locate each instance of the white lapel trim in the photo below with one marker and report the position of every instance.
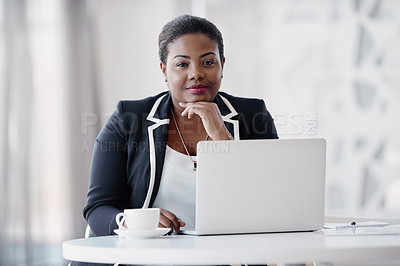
(227, 118)
(152, 151)
(159, 122)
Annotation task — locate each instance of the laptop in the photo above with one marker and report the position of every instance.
(259, 186)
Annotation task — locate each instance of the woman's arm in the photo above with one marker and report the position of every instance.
(108, 190)
(263, 123)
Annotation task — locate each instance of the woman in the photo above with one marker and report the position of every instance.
(145, 155)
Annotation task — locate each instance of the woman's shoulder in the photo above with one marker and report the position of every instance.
(238, 98)
(243, 102)
(138, 106)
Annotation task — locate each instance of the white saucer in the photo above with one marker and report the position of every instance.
(142, 233)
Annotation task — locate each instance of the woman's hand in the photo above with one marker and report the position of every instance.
(169, 220)
(210, 116)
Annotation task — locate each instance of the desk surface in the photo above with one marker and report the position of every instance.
(235, 249)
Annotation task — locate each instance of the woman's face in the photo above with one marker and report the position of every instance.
(193, 69)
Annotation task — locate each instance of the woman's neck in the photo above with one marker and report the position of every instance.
(191, 130)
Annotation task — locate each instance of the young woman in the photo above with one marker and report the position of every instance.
(145, 155)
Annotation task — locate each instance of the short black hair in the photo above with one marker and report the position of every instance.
(186, 24)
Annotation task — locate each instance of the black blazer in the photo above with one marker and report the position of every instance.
(128, 156)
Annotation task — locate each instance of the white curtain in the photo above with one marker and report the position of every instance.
(48, 107)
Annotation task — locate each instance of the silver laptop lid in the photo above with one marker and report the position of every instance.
(251, 186)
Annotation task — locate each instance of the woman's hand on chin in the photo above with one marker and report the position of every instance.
(210, 116)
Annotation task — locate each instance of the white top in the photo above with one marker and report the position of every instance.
(177, 192)
(236, 249)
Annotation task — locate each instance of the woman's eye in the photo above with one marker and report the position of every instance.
(182, 64)
(208, 62)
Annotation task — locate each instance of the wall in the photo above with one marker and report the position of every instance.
(325, 68)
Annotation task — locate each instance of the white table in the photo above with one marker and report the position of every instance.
(235, 249)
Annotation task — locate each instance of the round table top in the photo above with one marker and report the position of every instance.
(236, 249)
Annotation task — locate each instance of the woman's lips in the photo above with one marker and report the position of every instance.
(197, 89)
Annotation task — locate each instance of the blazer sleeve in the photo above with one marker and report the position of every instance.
(108, 191)
(264, 123)
(256, 122)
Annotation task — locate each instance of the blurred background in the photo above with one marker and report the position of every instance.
(326, 68)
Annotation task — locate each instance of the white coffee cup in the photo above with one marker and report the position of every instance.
(139, 219)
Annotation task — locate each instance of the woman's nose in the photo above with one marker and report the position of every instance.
(196, 73)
